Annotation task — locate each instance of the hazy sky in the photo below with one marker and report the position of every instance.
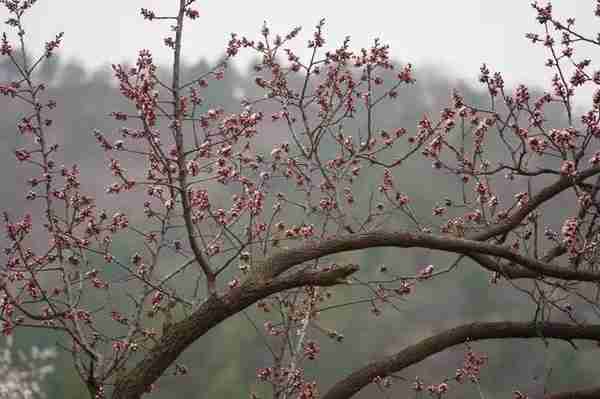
(458, 35)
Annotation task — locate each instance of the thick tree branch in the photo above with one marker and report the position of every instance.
(510, 271)
(212, 312)
(284, 260)
(590, 393)
(357, 380)
(513, 271)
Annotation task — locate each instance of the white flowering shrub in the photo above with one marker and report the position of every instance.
(21, 373)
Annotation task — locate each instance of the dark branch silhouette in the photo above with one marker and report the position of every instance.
(416, 353)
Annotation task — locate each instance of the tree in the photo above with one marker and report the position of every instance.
(272, 229)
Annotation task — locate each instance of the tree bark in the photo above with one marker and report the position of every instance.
(590, 393)
(212, 312)
(357, 380)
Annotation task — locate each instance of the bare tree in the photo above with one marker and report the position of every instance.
(253, 226)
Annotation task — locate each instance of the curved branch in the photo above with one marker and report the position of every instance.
(284, 260)
(212, 312)
(413, 354)
(513, 271)
(547, 193)
(510, 271)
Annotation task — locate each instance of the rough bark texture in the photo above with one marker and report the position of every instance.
(356, 381)
(216, 309)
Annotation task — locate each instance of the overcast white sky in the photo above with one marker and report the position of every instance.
(458, 35)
